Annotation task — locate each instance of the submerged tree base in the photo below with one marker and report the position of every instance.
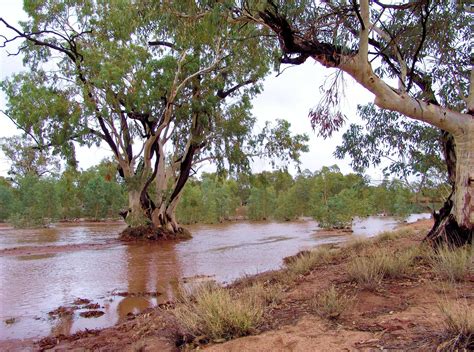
(153, 233)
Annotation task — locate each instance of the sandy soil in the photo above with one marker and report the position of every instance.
(401, 315)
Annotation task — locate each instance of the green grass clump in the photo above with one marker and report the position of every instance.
(458, 320)
(214, 312)
(331, 304)
(452, 264)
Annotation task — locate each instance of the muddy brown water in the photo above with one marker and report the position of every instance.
(54, 266)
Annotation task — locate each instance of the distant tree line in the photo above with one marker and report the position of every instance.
(328, 196)
(29, 200)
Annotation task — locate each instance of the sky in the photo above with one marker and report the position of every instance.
(289, 96)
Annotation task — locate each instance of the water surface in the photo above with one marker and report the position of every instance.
(33, 285)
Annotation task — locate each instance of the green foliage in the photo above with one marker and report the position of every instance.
(261, 202)
(6, 199)
(410, 147)
(209, 200)
(337, 198)
(36, 202)
(28, 158)
(166, 80)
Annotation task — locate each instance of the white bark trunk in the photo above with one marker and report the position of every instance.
(464, 187)
(136, 216)
(460, 125)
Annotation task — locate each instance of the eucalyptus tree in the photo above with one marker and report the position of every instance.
(164, 84)
(415, 57)
(26, 158)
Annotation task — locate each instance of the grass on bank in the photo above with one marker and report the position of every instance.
(330, 304)
(369, 271)
(393, 235)
(219, 313)
(452, 264)
(306, 261)
(458, 320)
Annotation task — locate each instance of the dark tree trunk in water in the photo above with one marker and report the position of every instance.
(446, 229)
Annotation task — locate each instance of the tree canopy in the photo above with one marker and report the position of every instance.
(414, 57)
(164, 86)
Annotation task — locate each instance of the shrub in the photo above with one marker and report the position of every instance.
(452, 264)
(330, 303)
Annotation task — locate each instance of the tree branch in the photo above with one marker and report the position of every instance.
(223, 94)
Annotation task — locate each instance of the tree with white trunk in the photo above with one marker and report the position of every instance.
(416, 59)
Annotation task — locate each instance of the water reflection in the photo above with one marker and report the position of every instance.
(150, 269)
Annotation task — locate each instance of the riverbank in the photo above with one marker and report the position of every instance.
(400, 310)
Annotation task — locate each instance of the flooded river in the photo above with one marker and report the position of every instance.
(60, 264)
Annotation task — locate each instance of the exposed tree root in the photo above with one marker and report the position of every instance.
(153, 233)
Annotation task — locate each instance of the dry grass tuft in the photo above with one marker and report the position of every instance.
(309, 260)
(387, 236)
(452, 264)
(266, 295)
(400, 263)
(214, 312)
(369, 271)
(458, 319)
(330, 304)
(358, 243)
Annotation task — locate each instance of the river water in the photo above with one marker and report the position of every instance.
(70, 261)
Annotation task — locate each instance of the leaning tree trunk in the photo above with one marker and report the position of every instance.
(454, 222)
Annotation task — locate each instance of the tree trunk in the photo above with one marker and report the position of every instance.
(454, 222)
(136, 215)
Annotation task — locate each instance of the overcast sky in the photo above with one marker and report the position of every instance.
(289, 96)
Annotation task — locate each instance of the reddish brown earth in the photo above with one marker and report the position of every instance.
(402, 314)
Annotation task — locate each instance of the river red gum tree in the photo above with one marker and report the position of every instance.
(160, 83)
(424, 45)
